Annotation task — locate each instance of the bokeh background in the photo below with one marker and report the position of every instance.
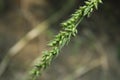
(26, 26)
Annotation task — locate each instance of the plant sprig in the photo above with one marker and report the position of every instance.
(64, 36)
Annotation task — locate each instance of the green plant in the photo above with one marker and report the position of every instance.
(68, 30)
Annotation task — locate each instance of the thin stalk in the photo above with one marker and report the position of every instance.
(64, 36)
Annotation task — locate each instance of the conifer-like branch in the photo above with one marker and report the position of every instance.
(68, 30)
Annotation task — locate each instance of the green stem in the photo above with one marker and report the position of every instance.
(64, 36)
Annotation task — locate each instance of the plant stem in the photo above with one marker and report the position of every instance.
(64, 36)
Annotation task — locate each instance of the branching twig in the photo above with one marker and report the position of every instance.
(68, 30)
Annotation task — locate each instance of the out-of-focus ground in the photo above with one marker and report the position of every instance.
(93, 55)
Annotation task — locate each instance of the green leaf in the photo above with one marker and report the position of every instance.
(96, 5)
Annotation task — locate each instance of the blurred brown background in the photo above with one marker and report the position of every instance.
(26, 26)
